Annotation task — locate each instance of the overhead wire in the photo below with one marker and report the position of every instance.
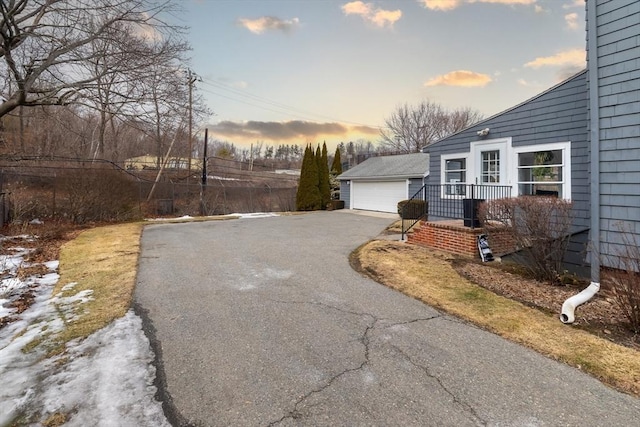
(287, 109)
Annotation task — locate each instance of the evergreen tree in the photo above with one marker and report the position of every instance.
(336, 166)
(308, 195)
(323, 184)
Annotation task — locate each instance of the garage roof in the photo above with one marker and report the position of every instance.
(401, 166)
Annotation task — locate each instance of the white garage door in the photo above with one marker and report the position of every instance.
(380, 196)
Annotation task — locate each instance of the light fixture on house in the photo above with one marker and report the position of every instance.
(483, 132)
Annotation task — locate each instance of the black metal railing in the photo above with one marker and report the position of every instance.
(456, 201)
(416, 209)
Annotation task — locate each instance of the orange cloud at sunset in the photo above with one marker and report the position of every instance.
(574, 58)
(378, 17)
(462, 78)
(297, 130)
(445, 5)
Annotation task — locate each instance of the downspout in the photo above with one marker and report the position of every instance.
(569, 306)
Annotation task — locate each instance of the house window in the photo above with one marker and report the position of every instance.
(544, 171)
(455, 176)
(490, 167)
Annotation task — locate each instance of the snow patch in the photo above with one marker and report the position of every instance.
(254, 215)
(105, 379)
(109, 378)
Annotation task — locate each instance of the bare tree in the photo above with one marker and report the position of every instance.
(410, 128)
(45, 45)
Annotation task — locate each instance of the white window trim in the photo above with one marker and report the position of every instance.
(499, 143)
(511, 163)
(566, 163)
(443, 172)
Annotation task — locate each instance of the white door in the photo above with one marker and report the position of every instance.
(382, 196)
(490, 166)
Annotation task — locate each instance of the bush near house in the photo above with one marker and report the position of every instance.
(538, 226)
(624, 281)
(412, 209)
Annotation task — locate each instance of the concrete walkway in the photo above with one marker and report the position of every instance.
(262, 322)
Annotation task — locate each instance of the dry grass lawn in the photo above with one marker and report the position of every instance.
(104, 260)
(428, 276)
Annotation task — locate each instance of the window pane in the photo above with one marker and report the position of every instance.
(459, 176)
(554, 190)
(540, 173)
(456, 164)
(538, 158)
(490, 167)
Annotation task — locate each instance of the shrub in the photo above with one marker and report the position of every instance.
(335, 204)
(625, 280)
(538, 226)
(412, 209)
(98, 195)
(27, 202)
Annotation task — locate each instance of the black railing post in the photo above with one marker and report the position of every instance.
(473, 205)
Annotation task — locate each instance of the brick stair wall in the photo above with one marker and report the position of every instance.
(453, 238)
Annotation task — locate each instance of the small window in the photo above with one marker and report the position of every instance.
(455, 173)
(490, 167)
(542, 173)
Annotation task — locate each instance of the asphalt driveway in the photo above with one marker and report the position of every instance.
(263, 322)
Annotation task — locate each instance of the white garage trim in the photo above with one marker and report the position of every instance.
(382, 196)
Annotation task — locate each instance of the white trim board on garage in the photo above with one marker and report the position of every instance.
(382, 196)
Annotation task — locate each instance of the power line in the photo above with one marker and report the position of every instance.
(303, 114)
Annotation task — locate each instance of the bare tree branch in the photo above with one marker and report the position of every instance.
(410, 128)
(47, 45)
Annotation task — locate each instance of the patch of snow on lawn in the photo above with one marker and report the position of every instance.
(105, 379)
(255, 215)
(108, 380)
(233, 215)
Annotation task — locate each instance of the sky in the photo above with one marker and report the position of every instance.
(307, 71)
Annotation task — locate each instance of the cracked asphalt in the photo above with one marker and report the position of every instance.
(262, 322)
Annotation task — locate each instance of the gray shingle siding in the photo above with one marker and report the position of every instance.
(345, 193)
(415, 185)
(618, 64)
(558, 115)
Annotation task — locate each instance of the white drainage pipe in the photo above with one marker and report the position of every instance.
(572, 303)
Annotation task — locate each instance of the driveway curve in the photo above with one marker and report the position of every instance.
(262, 322)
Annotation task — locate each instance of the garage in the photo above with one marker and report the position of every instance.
(379, 183)
(382, 196)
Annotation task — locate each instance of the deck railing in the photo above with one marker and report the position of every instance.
(456, 201)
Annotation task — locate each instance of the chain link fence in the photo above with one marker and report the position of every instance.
(82, 191)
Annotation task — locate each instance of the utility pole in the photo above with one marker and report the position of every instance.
(203, 183)
(191, 79)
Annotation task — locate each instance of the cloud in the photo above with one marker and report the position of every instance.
(462, 78)
(446, 5)
(443, 5)
(568, 58)
(573, 23)
(378, 17)
(526, 83)
(268, 23)
(146, 29)
(294, 129)
(574, 3)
